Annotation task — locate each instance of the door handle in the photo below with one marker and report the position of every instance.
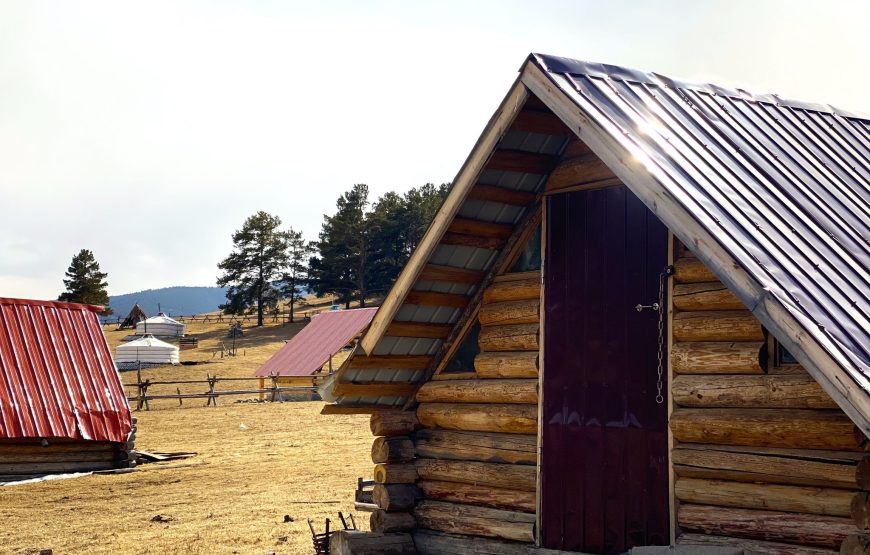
(655, 306)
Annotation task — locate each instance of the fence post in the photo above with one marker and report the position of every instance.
(178, 392)
(145, 385)
(212, 397)
(274, 388)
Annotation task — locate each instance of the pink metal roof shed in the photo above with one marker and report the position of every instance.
(311, 348)
(57, 378)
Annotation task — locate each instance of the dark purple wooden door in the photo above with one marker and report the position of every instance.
(604, 471)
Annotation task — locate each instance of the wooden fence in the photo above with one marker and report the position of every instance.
(142, 396)
(219, 317)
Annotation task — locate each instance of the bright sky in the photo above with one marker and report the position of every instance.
(147, 132)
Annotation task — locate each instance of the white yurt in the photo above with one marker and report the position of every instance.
(146, 350)
(160, 326)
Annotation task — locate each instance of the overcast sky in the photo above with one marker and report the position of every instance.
(148, 132)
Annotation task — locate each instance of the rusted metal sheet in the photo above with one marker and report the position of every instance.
(604, 470)
(57, 378)
(311, 348)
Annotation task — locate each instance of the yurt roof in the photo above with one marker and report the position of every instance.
(147, 341)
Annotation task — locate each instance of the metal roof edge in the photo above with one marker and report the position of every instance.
(63, 305)
(559, 64)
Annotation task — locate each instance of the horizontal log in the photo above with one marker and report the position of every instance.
(517, 337)
(476, 446)
(434, 272)
(692, 270)
(862, 474)
(506, 476)
(779, 391)
(803, 529)
(393, 423)
(479, 417)
(501, 195)
(354, 409)
(515, 290)
(467, 226)
(586, 168)
(480, 391)
(392, 450)
(774, 497)
(724, 325)
(10, 456)
(717, 357)
(705, 296)
(475, 521)
(753, 547)
(476, 241)
(805, 467)
(382, 521)
(807, 429)
(357, 542)
(430, 542)
(544, 123)
(395, 473)
(484, 496)
(396, 497)
(418, 329)
(525, 311)
(520, 161)
(373, 389)
(516, 364)
(433, 298)
(46, 467)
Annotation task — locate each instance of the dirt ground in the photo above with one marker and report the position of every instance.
(256, 463)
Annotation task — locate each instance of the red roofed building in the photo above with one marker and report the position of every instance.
(62, 404)
(304, 360)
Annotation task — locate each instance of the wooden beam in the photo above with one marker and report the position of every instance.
(521, 449)
(374, 389)
(357, 409)
(544, 123)
(520, 161)
(393, 423)
(418, 329)
(502, 195)
(479, 391)
(480, 417)
(506, 476)
(378, 362)
(432, 298)
(478, 521)
(761, 391)
(466, 226)
(476, 241)
(435, 272)
(583, 169)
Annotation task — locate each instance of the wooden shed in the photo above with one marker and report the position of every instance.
(62, 405)
(639, 319)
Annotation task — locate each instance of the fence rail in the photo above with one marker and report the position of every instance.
(219, 317)
(142, 396)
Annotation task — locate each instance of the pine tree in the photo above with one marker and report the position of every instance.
(299, 251)
(259, 258)
(85, 282)
(342, 267)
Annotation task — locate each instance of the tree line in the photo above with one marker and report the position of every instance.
(360, 250)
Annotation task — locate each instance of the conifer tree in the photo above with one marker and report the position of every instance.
(85, 282)
(298, 251)
(258, 260)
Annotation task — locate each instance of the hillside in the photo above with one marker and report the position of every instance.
(171, 300)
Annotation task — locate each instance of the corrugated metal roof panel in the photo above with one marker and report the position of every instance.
(57, 378)
(783, 186)
(311, 348)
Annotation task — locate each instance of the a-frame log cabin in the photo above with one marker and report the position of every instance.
(640, 318)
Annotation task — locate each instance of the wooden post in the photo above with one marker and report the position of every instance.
(274, 388)
(178, 392)
(212, 399)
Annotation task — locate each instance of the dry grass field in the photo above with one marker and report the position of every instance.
(256, 463)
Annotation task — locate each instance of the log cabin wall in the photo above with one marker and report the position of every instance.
(761, 452)
(466, 462)
(28, 458)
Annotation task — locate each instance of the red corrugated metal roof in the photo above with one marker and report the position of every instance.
(309, 349)
(57, 378)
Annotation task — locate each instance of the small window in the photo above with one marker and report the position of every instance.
(781, 356)
(463, 357)
(530, 257)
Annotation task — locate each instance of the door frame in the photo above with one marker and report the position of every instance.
(668, 373)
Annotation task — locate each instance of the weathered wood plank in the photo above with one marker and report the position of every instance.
(502, 195)
(519, 419)
(418, 329)
(477, 521)
(480, 391)
(775, 497)
(435, 272)
(725, 325)
(717, 357)
(378, 362)
(433, 298)
(779, 391)
(484, 496)
(520, 161)
(476, 446)
(373, 389)
(479, 228)
(506, 476)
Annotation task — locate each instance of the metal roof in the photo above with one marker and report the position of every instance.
(311, 348)
(57, 378)
(783, 187)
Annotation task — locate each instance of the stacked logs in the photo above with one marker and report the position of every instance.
(477, 449)
(21, 459)
(762, 454)
(393, 455)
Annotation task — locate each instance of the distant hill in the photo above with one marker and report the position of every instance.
(174, 301)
